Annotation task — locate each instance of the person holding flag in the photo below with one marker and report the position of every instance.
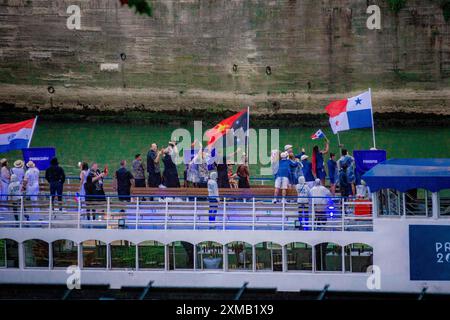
(318, 163)
(235, 127)
(318, 135)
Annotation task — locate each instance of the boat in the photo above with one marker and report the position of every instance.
(395, 240)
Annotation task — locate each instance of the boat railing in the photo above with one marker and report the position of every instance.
(188, 213)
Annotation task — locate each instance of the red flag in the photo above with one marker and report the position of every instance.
(336, 107)
(233, 122)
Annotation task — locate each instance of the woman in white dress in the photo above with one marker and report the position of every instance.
(18, 170)
(5, 176)
(84, 167)
(31, 181)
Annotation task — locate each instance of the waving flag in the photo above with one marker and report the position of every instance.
(318, 135)
(237, 125)
(15, 136)
(351, 113)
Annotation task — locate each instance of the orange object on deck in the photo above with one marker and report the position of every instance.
(363, 207)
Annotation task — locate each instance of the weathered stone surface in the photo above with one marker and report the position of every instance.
(183, 56)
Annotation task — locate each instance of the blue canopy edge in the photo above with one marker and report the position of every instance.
(407, 174)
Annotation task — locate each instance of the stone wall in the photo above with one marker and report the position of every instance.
(183, 56)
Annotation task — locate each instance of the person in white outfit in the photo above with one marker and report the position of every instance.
(84, 167)
(303, 200)
(31, 181)
(5, 176)
(18, 170)
(14, 193)
(362, 190)
(213, 196)
(320, 197)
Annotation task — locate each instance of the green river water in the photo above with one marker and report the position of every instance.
(109, 143)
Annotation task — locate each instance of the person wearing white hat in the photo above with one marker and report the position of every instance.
(303, 200)
(282, 176)
(31, 181)
(288, 148)
(213, 197)
(18, 170)
(320, 197)
(5, 176)
(362, 190)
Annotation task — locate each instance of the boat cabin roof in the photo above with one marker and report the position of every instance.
(407, 174)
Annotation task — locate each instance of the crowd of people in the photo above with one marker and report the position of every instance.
(296, 171)
(290, 170)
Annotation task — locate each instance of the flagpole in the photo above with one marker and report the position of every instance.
(32, 131)
(248, 134)
(339, 141)
(373, 123)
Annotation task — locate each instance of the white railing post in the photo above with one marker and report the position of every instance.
(224, 216)
(137, 216)
(283, 213)
(313, 215)
(253, 213)
(343, 214)
(21, 212)
(374, 204)
(50, 212)
(404, 204)
(108, 208)
(79, 213)
(166, 214)
(195, 213)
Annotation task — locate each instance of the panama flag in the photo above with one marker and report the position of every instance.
(351, 113)
(318, 135)
(16, 136)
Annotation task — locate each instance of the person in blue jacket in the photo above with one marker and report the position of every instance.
(332, 173)
(318, 164)
(307, 170)
(283, 173)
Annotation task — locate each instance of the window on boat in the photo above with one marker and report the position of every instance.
(209, 255)
(418, 203)
(181, 255)
(151, 255)
(328, 256)
(65, 253)
(9, 253)
(389, 202)
(36, 253)
(358, 257)
(94, 254)
(444, 203)
(299, 256)
(123, 254)
(240, 256)
(268, 256)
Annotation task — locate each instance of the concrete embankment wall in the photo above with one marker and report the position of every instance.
(213, 55)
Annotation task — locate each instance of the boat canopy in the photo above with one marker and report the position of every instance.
(407, 174)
